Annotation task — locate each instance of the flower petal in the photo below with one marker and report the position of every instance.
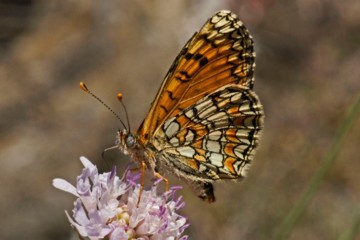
(86, 162)
(80, 229)
(64, 185)
(107, 207)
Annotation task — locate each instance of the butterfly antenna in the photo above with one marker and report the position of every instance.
(85, 89)
(120, 97)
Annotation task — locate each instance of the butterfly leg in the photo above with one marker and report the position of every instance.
(158, 175)
(143, 168)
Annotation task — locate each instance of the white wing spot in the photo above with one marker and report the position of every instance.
(172, 129)
(213, 146)
(216, 159)
(189, 114)
(174, 141)
(243, 136)
(201, 105)
(237, 45)
(227, 29)
(167, 123)
(219, 115)
(239, 151)
(235, 98)
(205, 113)
(212, 35)
(244, 107)
(186, 151)
(221, 23)
(215, 135)
(202, 168)
(189, 136)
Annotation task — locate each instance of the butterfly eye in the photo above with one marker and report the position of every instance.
(130, 141)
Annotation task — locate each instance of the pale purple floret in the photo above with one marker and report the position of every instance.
(106, 207)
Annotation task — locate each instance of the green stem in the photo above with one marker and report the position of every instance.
(295, 213)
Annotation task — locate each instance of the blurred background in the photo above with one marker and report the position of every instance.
(307, 77)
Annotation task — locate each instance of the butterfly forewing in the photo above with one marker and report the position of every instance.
(220, 53)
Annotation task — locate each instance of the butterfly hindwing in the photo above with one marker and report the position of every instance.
(215, 137)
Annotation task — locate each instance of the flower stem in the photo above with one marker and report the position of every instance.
(295, 213)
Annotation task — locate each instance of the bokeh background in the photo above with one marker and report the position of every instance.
(307, 76)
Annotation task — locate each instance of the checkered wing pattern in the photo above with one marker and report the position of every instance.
(215, 137)
(221, 53)
(205, 121)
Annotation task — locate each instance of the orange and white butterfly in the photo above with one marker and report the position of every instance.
(205, 121)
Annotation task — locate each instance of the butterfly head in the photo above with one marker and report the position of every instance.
(125, 140)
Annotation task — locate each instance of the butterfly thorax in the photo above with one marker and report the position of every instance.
(130, 144)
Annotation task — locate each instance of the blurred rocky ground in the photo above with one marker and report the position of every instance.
(307, 77)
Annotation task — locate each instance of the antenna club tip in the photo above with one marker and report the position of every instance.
(83, 87)
(120, 96)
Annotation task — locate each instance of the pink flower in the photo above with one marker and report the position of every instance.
(106, 207)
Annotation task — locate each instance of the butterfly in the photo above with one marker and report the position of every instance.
(205, 121)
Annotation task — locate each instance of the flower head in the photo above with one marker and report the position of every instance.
(106, 207)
